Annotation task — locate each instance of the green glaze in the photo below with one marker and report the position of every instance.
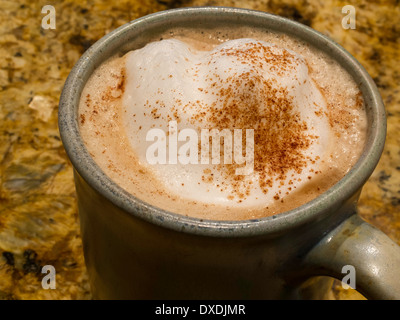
(135, 250)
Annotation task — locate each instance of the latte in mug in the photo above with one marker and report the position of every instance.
(238, 124)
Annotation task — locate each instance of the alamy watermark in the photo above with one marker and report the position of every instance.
(349, 20)
(189, 153)
(349, 280)
(49, 280)
(49, 20)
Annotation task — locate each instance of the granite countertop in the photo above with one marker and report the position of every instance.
(38, 212)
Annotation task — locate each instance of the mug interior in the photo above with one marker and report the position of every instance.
(136, 34)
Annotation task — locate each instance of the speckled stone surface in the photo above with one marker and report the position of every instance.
(38, 213)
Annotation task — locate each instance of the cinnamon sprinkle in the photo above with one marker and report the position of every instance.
(248, 101)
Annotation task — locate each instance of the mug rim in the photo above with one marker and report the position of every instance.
(86, 167)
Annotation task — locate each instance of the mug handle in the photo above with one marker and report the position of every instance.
(374, 256)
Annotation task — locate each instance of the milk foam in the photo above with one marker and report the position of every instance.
(170, 81)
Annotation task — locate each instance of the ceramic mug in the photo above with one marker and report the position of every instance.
(134, 250)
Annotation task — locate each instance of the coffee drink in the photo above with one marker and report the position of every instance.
(225, 125)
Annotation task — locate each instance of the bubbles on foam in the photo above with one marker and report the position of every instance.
(240, 84)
